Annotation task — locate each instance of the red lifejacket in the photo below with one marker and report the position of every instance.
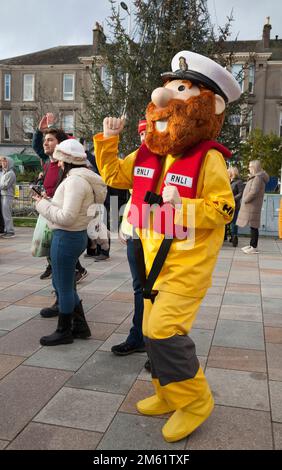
(183, 174)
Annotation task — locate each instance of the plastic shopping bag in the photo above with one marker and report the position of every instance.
(42, 238)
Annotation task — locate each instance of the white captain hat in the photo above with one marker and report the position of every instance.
(187, 65)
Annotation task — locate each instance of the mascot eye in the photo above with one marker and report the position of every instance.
(181, 88)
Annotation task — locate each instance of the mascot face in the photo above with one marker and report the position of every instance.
(181, 115)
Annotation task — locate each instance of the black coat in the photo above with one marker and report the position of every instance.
(237, 187)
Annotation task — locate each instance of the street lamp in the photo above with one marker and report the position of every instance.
(124, 6)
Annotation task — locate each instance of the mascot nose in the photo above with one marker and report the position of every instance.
(161, 97)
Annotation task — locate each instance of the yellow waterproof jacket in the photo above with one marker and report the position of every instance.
(188, 268)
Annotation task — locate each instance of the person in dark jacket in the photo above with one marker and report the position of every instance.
(237, 186)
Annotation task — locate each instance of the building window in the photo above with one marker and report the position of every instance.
(251, 78)
(7, 126)
(7, 87)
(68, 123)
(28, 87)
(280, 125)
(238, 73)
(68, 87)
(28, 126)
(106, 79)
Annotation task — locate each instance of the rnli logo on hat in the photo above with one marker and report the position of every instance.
(183, 66)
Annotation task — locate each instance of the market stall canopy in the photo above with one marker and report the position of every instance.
(28, 162)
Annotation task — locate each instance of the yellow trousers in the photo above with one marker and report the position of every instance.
(172, 316)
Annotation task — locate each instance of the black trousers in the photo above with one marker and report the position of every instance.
(254, 237)
(2, 225)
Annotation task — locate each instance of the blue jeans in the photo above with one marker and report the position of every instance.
(135, 337)
(66, 248)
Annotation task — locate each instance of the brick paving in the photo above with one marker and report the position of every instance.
(81, 396)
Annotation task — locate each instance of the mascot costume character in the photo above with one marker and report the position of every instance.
(181, 202)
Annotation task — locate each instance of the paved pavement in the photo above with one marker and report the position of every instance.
(80, 396)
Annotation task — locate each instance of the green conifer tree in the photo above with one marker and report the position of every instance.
(132, 61)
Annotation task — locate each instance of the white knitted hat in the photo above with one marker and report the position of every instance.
(70, 151)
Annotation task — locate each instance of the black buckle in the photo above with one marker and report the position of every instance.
(153, 198)
(150, 295)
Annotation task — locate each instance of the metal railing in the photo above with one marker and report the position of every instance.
(24, 205)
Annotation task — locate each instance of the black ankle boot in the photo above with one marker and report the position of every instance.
(80, 327)
(234, 241)
(63, 333)
(50, 312)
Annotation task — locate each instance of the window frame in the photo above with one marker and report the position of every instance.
(32, 87)
(6, 75)
(5, 116)
(67, 115)
(67, 95)
(31, 130)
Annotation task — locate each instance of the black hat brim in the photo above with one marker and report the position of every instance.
(194, 77)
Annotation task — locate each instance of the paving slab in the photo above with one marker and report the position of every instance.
(202, 339)
(141, 389)
(240, 389)
(274, 320)
(277, 432)
(242, 313)
(236, 298)
(108, 373)
(271, 306)
(275, 390)
(24, 340)
(26, 391)
(15, 315)
(237, 359)
(206, 318)
(233, 429)
(66, 356)
(9, 363)
(37, 436)
(3, 444)
(130, 432)
(273, 335)
(101, 331)
(81, 409)
(110, 312)
(239, 334)
(274, 361)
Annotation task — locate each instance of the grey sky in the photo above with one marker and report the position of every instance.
(29, 25)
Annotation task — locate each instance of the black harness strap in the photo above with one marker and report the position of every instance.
(148, 282)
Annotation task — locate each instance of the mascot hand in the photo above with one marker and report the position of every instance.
(113, 126)
(171, 195)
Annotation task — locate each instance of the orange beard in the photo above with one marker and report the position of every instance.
(189, 122)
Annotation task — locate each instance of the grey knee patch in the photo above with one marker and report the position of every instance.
(173, 359)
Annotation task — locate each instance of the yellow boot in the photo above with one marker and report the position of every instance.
(153, 406)
(185, 420)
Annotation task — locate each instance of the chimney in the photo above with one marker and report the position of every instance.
(266, 33)
(98, 37)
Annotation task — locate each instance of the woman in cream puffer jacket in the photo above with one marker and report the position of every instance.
(67, 216)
